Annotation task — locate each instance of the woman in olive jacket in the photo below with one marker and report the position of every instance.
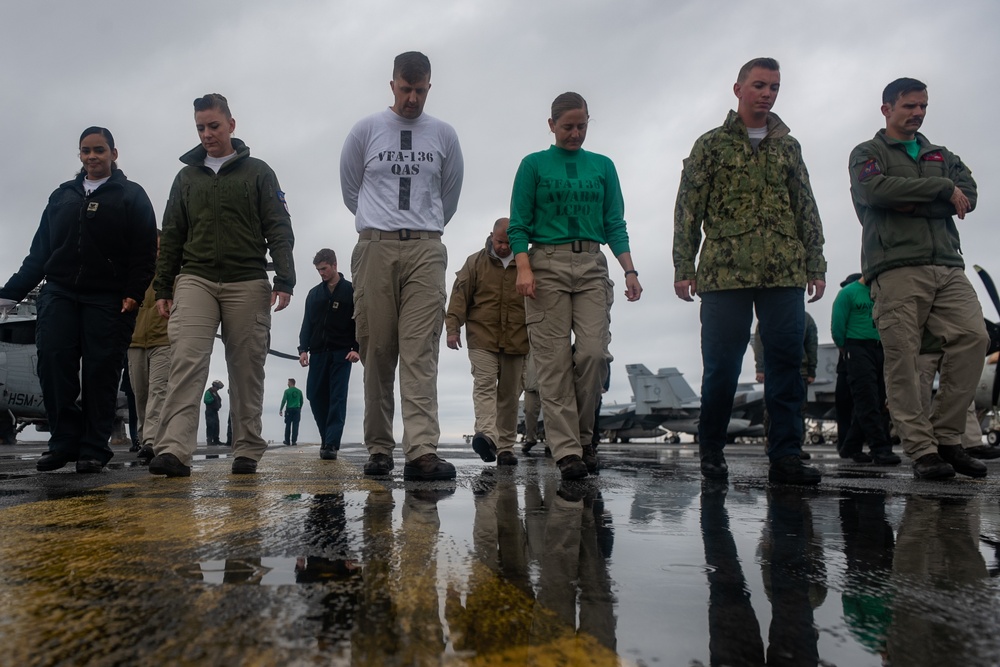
(96, 249)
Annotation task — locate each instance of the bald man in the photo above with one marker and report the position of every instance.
(485, 300)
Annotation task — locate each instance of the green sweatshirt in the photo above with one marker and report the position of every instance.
(562, 196)
(852, 315)
(292, 398)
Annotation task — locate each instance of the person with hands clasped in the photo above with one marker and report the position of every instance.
(566, 202)
(96, 248)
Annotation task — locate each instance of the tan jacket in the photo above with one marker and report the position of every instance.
(150, 328)
(485, 300)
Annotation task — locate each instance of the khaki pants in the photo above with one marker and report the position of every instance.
(532, 404)
(399, 307)
(940, 299)
(927, 366)
(149, 370)
(569, 326)
(244, 309)
(496, 388)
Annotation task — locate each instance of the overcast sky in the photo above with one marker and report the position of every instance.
(656, 73)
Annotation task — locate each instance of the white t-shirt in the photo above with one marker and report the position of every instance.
(215, 163)
(397, 173)
(757, 135)
(89, 185)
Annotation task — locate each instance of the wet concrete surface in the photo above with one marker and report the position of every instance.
(310, 563)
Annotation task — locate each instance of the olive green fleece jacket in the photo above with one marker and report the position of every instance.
(904, 204)
(220, 227)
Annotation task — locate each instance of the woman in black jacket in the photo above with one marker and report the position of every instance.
(96, 249)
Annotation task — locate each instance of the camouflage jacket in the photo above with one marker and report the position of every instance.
(762, 228)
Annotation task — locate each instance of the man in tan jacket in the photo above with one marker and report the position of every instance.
(485, 299)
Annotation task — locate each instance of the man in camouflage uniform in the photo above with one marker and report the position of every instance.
(906, 191)
(746, 184)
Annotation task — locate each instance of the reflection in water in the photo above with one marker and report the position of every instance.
(568, 614)
(793, 579)
(868, 550)
(937, 565)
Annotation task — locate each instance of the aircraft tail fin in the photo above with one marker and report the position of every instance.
(667, 390)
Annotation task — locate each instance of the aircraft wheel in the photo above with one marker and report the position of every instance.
(993, 437)
(816, 438)
(624, 441)
(675, 440)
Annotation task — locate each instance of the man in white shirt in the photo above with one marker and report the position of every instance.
(401, 175)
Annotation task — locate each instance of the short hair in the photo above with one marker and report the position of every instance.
(325, 255)
(763, 63)
(104, 132)
(213, 101)
(411, 66)
(501, 222)
(901, 87)
(292, 380)
(568, 102)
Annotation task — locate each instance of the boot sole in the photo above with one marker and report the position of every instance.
(482, 447)
(420, 476)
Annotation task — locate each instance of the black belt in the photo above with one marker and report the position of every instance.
(396, 235)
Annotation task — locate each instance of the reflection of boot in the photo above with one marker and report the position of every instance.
(485, 483)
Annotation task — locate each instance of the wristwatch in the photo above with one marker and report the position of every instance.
(635, 273)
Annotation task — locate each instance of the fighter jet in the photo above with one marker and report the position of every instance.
(665, 404)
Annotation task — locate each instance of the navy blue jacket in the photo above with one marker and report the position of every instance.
(104, 242)
(328, 323)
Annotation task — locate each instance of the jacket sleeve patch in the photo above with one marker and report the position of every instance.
(869, 169)
(933, 156)
(281, 198)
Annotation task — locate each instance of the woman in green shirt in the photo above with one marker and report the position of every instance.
(566, 203)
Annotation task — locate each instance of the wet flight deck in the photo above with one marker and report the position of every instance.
(310, 563)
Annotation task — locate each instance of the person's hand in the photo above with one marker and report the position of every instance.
(960, 202)
(810, 380)
(525, 282)
(353, 357)
(6, 307)
(303, 359)
(633, 290)
(816, 288)
(163, 307)
(129, 304)
(686, 289)
(281, 413)
(760, 378)
(454, 341)
(282, 299)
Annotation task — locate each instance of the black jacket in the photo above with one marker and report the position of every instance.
(104, 242)
(328, 322)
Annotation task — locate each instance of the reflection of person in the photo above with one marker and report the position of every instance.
(148, 368)
(868, 550)
(499, 578)
(95, 247)
(213, 404)
(936, 558)
(793, 575)
(226, 211)
(291, 407)
(855, 335)
(573, 568)
(905, 192)
(747, 185)
(327, 346)
(566, 202)
(401, 175)
(484, 299)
